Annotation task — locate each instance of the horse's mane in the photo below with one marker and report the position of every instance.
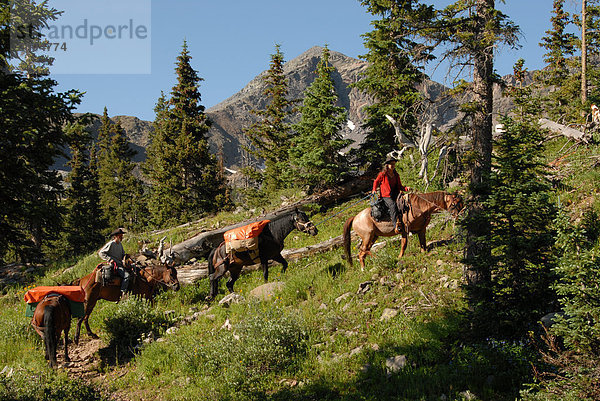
(281, 226)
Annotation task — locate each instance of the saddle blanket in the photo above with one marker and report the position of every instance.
(74, 294)
(244, 238)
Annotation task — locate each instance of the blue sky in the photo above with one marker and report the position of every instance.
(231, 42)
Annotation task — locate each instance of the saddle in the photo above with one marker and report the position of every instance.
(380, 212)
(106, 274)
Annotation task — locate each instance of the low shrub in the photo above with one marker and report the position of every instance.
(132, 318)
(24, 385)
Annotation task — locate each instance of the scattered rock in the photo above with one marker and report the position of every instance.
(356, 350)
(395, 364)
(388, 314)
(375, 347)
(343, 297)
(323, 307)
(172, 330)
(232, 298)
(227, 325)
(365, 287)
(267, 291)
(439, 262)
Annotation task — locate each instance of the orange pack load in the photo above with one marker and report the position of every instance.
(244, 238)
(74, 294)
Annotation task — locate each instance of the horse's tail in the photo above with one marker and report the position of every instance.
(346, 236)
(50, 333)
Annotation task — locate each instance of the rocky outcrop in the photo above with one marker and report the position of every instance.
(232, 116)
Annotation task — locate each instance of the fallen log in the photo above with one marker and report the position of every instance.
(562, 129)
(201, 244)
(197, 271)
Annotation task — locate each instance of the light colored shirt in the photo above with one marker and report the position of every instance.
(113, 251)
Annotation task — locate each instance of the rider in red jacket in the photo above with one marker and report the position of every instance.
(390, 186)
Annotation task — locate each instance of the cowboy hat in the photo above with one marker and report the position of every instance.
(117, 232)
(390, 160)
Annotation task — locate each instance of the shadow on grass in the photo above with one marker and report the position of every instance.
(335, 269)
(440, 365)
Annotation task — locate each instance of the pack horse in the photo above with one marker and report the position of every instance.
(255, 243)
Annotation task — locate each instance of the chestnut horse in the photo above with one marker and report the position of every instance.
(52, 316)
(145, 284)
(415, 220)
(270, 245)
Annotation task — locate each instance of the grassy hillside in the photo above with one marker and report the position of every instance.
(395, 331)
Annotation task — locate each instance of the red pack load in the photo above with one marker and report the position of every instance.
(244, 238)
(74, 294)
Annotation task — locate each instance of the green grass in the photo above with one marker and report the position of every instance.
(302, 344)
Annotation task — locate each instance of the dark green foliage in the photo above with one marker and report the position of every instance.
(315, 154)
(133, 318)
(29, 386)
(120, 191)
(83, 223)
(31, 137)
(22, 20)
(560, 47)
(269, 138)
(270, 342)
(579, 275)
(520, 212)
(392, 76)
(186, 180)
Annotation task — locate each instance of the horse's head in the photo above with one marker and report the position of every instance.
(455, 204)
(165, 275)
(302, 223)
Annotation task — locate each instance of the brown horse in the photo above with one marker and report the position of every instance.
(145, 284)
(415, 220)
(52, 316)
(270, 245)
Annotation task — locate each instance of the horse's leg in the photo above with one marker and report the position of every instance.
(234, 274)
(365, 249)
(422, 240)
(403, 244)
(67, 359)
(88, 311)
(281, 259)
(265, 265)
(214, 278)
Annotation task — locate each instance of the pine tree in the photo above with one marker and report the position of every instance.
(83, 224)
(32, 115)
(120, 190)
(270, 136)
(521, 214)
(563, 71)
(186, 179)
(393, 74)
(315, 153)
(471, 30)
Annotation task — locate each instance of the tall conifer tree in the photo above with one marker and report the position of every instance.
(393, 74)
(32, 116)
(315, 153)
(270, 136)
(120, 190)
(186, 179)
(83, 224)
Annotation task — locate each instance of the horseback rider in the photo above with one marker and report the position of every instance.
(390, 186)
(114, 253)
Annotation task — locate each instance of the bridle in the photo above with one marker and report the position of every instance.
(305, 227)
(153, 281)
